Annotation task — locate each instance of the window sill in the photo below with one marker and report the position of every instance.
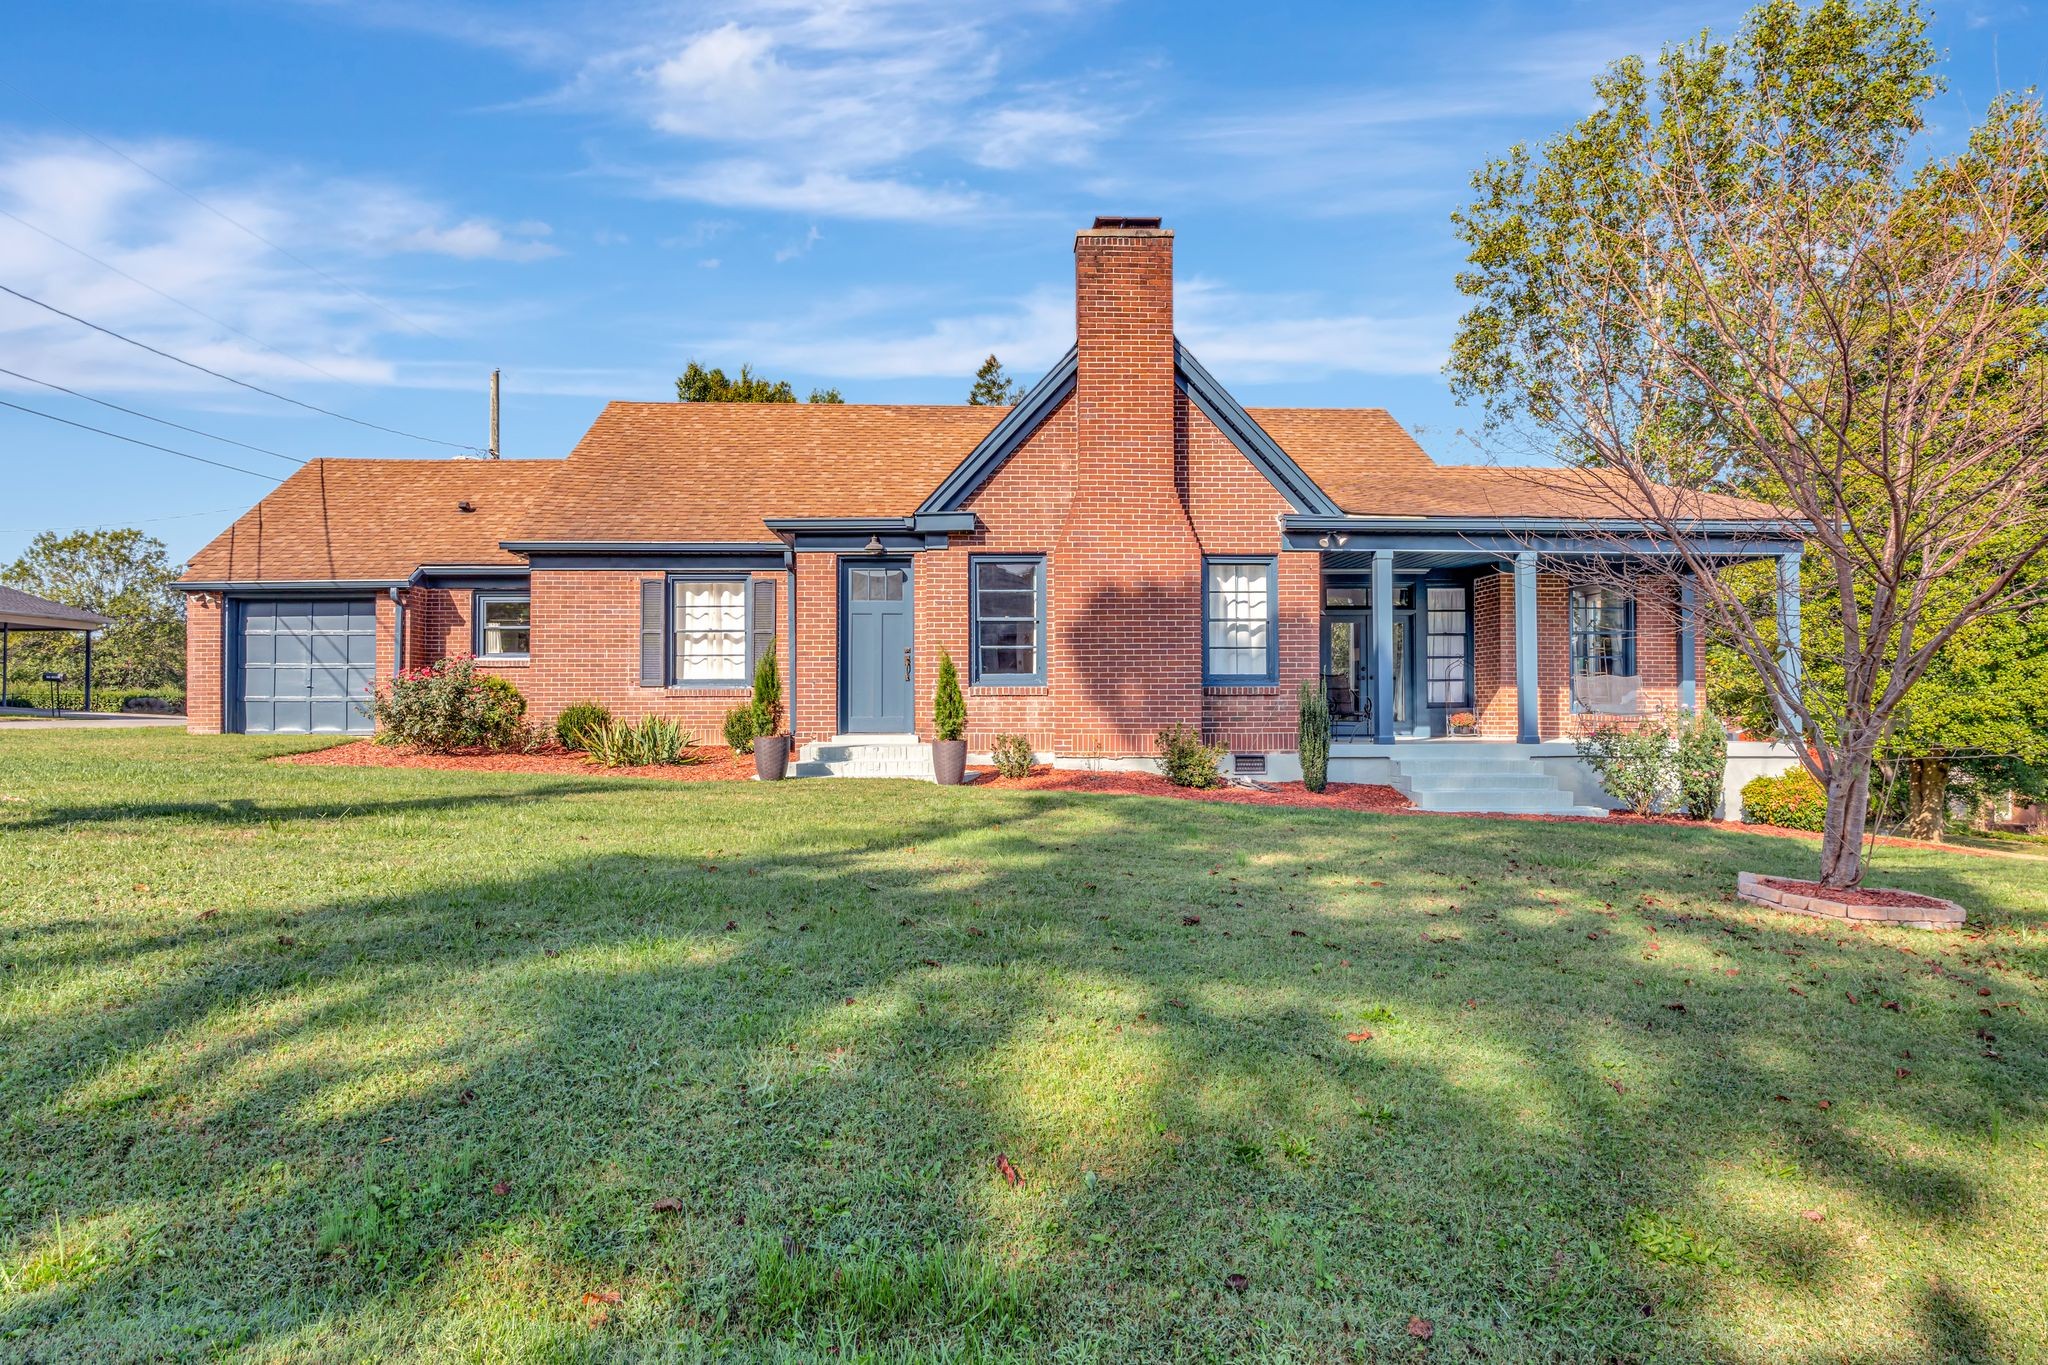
(998, 689)
(722, 689)
(1261, 689)
(504, 660)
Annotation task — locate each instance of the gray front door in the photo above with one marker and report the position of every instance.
(875, 643)
(303, 666)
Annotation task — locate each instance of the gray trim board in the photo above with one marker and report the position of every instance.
(1039, 403)
(1215, 403)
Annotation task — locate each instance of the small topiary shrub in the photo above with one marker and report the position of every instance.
(654, 740)
(949, 708)
(574, 725)
(1634, 763)
(450, 706)
(767, 695)
(1702, 765)
(742, 728)
(1012, 755)
(1186, 760)
(1315, 735)
(1791, 800)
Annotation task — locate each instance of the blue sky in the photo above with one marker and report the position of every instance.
(867, 193)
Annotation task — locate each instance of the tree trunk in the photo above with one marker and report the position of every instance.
(1841, 837)
(1927, 797)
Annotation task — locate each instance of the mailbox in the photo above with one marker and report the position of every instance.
(56, 677)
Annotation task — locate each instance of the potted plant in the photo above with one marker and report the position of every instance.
(771, 745)
(949, 725)
(1464, 723)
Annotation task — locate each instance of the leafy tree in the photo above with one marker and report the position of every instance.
(992, 385)
(123, 575)
(699, 385)
(1979, 712)
(1733, 275)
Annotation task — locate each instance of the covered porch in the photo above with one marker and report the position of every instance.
(23, 613)
(1532, 630)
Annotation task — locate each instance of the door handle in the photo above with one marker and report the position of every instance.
(906, 665)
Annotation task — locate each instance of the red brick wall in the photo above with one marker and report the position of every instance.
(1236, 511)
(1128, 627)
(817, 646)
(1493, 656)
(203, 626)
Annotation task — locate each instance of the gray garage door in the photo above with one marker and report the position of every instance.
(305, 665)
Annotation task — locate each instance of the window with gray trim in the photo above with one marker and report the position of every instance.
(1448, 660)
(1009, 619)
(1603, 630)
(504, 625)
(708, 631)
(1239, 628)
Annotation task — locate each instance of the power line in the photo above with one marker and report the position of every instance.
(112, 521)
(240, 383)
(170, 184)
(160, 421)
(101, 431)
(194, 309)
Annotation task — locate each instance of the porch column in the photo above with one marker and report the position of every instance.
(1688, 649)
(1383, 661)
(1788, 630)
(88, 672)
(1525, 646)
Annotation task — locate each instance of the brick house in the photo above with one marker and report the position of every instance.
(1123, 549)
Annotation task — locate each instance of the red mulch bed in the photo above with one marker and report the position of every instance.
(722, 765)
(1854, 895)
(1336, 796)
(719, 765)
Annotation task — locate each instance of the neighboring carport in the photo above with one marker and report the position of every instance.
(24, 611)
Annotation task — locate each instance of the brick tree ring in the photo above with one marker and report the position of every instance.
(1877, 906)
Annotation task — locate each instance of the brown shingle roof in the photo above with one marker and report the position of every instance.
(378, 519)
(713, 472)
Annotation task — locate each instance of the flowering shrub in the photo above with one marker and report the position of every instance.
(1791, 800)
(449, 706)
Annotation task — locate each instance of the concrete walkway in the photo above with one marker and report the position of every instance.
(14, 719)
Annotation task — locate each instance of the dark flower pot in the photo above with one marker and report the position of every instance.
(949, 761)
(771, 757)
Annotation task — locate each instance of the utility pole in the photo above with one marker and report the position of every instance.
(494, 414)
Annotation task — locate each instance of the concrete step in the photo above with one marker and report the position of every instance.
(1509, 781)
(1557, 803)
(885, 756)
(857, 753)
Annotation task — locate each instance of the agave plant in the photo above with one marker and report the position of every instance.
(653, 740)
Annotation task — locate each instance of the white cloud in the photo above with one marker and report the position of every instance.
(77, 192)
(843, 338)
(839, 108)
(1243, 337)
(1267, 337)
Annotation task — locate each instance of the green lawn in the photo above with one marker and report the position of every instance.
(350, 1064)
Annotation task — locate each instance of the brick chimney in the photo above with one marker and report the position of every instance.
(1127, 654)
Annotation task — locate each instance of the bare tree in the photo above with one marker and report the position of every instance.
(1731, 278)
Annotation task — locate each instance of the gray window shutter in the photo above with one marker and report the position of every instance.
(653, 608)
(761, 624)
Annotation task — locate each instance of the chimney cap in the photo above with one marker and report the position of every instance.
(1114, 221)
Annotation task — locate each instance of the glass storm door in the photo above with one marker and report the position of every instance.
(875, 643)
(1345, 678)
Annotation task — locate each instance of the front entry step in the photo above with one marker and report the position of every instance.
(1490, 784)
(899, 756)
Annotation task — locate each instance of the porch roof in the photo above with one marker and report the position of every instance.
(1348, 542)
